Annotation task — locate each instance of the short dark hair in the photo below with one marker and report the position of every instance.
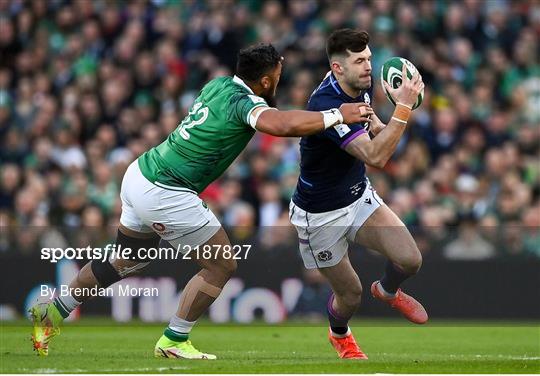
(346, 39)
(255, 61)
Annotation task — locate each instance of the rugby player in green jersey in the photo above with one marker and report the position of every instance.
(160, 190)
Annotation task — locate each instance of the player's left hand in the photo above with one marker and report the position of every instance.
(376, 125)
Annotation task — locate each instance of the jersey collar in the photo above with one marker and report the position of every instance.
(335, 85)
(239, 81)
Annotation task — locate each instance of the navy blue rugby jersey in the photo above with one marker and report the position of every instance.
(330, 178)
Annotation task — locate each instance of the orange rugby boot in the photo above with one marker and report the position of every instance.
(346, 347)
(408, 306)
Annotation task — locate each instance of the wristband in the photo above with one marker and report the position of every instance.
(332, 117)
(401, 113)
(403, 104)
(399, 120)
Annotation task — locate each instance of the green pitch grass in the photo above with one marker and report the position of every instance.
(94, 346)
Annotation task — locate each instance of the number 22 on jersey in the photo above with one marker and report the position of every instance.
(197, 111)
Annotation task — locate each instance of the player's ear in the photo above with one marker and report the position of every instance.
(266, 82)
(336, 67)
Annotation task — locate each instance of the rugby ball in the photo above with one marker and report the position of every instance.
(391, 73)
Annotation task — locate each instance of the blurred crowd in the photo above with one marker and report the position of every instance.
(88, 86)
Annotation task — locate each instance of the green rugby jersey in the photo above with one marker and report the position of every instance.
(208, 140)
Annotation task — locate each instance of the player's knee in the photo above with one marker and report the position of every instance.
(413, 262)
(224, 267)
(352, 295)
(230, 267)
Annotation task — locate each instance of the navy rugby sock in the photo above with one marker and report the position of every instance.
(393, 277)
(338, 324)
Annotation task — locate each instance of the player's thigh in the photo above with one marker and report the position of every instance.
(216, 254)
(192, 228)
(215, 257)
(321, 236)
(343, 278)
(189, 225)
(384, 232)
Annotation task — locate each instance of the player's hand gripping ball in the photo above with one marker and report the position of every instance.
(391, 73)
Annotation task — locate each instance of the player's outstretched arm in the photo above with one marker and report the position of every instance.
(377, 152)
(296, 123)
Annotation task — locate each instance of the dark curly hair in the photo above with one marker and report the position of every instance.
(255, 61)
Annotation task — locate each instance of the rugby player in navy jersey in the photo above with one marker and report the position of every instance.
(334, 201)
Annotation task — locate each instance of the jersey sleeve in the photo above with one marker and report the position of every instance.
(243, 105)
(341, 134)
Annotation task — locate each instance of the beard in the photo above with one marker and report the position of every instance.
(360, 85)
(357, 85)
(270, 99)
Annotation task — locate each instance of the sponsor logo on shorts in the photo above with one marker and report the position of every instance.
(367, 201)
(357, 188)
(324, 256)
(158, 227)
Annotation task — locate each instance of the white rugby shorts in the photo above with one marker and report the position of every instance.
(323, 236)
(176, 214)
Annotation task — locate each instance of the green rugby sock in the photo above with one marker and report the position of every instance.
(60, 306)
(175, 336)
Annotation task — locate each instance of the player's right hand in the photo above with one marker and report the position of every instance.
(407, 93)
(355, 112)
